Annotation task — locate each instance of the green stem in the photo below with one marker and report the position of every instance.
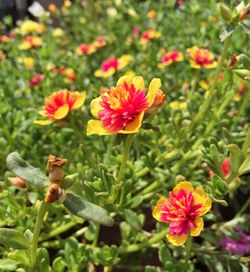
(187, 251)
(59, 230)
(194, 84)
(122, 167)
(244, 207)
(136, 247)
(204, 107)
(95, 241)
(124, 159)
(39, 220)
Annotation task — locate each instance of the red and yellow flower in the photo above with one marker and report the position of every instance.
(183, 210)
(30, 42)
(170, 57)
(149, 35)
(201, 58)
(112, 65)
(121, 109)
(59, 104)
(85, 49)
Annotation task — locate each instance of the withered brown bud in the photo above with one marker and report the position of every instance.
(245, 12)
(55, 192)
(16, 181)
(55, 170)
(232, 62)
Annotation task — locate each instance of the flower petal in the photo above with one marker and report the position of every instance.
(121, 80)
(43, 122)
(183, 185)
(124, 61)
(199, 226)
(154, 86)
(61, 112)
(177, 240)
(139, 83)
(156, 211)
(79, 101)
(95, 106)
(201, 197)
(133, 126)
(95, 127)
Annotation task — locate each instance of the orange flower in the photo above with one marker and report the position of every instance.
(183, 210)
(152, 14)
(52, 8)
(121, 109)
(170, 57)
(201, 58)
(59, 104)
(148, 35)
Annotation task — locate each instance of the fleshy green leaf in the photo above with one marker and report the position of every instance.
(132, 219)
(87, 210)
(69, 180)
(245, 166)
(13, 238)
(25, 171)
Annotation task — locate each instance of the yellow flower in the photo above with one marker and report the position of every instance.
(183, 210)
(58, 32)
(30, 42)
(176, 105)
(28, 62)
(121, 109)
(112, 65)
(31, 27)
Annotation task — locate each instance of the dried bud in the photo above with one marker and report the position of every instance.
(55, 170)
(16, 181)
(232, 62)
(245, 12)
(158, 102)
(55, 193)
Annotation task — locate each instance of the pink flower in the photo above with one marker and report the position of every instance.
(36, 80)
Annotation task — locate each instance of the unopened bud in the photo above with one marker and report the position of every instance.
(244, 60)
(158, 102)
(232, 62)
(16, 181)
(225, 12)
(242, 73)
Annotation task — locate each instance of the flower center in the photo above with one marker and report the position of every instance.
(203, 57)
(121, 105)
(110, 63)
(170, 56)
(180, 211)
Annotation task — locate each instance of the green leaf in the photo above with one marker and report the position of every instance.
(8, 265)
(87, 210)
(245, 166)
(58, 265)
(13, 238)
(132, 219)
(42, 261)
(25, 171)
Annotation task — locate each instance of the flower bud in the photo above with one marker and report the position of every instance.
(158, 102)
(55, 192)
(16, 181)
(242, 73)
(225, 12)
